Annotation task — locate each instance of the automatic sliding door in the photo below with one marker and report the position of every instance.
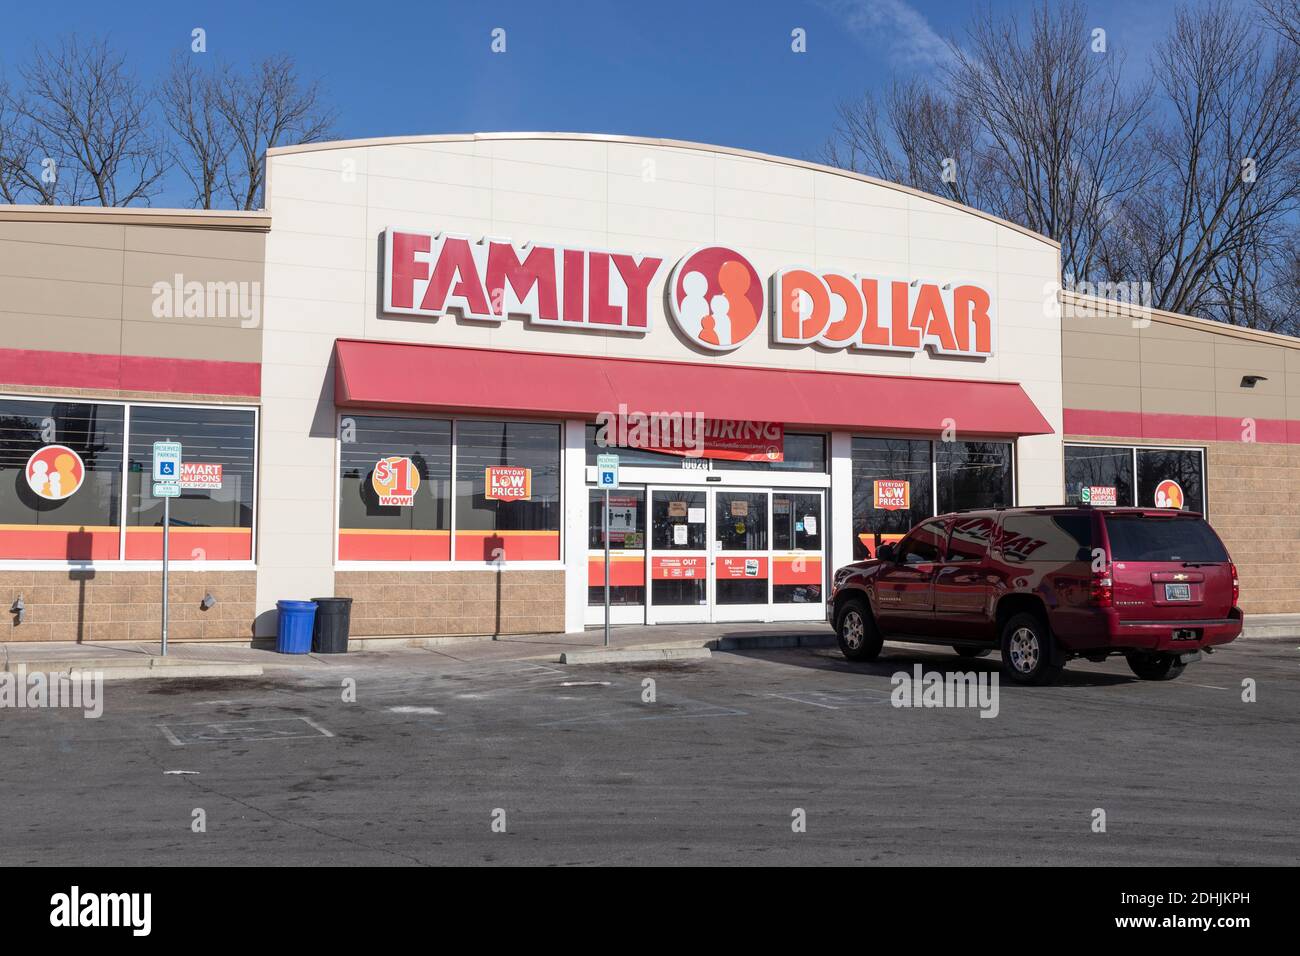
(742, 559)
(679, 556)
(798, 551)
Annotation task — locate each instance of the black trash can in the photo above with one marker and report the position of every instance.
(329, 634)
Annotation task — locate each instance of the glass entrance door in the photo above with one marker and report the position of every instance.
(679, 556)
(735, 554)
(742, 561)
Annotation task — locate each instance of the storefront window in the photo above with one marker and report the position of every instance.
(626, 544)
(806, 453)
(395, 489)
(1171, 478)
(60, 480)
(632, 457)
(973, 474)
(1098, 475)
(507, 491)
(892, 490)
(1165, 477)
(802, 453)
(212, 520)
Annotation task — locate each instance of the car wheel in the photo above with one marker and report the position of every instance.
(858, 638)
(1027, 650)
(1155, 666)
(969, 651)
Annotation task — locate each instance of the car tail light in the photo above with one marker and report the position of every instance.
(1236, 585)
(1102, 593)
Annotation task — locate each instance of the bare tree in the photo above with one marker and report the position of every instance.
(191, 102)
(268, 108)
(1228, 180)
(1284, 17)
(1031, 125)
(89, 114)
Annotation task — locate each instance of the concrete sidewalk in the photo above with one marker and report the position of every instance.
(144, 659)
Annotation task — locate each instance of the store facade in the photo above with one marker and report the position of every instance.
(394, 386)
(471, 309)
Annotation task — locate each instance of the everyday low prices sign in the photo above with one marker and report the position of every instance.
(508, 483)
(893, 495)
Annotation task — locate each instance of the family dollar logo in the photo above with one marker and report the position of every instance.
(55, 472)
(1169, 494)
(395, 480)
(716, 298)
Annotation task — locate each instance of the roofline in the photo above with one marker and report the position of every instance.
(259, 221)
(651, 141)
(1212, 326)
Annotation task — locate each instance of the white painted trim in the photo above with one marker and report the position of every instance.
(573, 538)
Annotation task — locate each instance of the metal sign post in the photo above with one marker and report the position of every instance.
(606, 478)
(166, 485)
(167, 524)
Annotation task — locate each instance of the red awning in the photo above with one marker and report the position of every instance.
(394, 375)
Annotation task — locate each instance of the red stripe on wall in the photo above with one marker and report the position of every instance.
(359, 546)
(58, 544)
(1152, 425)
(190, 544)
(507, 545)
(136, 373)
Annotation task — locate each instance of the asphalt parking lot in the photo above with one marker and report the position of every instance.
(521, 762)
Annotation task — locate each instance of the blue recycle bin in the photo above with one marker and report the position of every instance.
(294, 626)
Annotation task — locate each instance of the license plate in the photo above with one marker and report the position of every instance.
(1178, 592)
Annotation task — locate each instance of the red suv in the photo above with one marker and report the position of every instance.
(1046, 584)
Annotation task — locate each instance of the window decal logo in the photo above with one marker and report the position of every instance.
(1169, 494)
(716, 298)
(395, 480)
(55, 472)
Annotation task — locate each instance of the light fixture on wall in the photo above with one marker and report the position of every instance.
(1248, 381)
(19, 610)
(208, 601)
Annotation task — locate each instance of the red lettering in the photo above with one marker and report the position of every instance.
(403, 267)
(456, 265)
(575, 267)
(931, 316)
(904, 335)
(843, 331)
(599, 309)
(637, 278)
(536, 271)
(873, 333)
(971, 305)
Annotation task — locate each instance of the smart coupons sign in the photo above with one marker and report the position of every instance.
(716, 298)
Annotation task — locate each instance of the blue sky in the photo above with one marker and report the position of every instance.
(713, 72)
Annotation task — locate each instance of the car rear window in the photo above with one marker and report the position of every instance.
(1059, 538)
(1147, 538)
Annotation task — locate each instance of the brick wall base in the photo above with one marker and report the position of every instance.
(434, 603)
(95, 605)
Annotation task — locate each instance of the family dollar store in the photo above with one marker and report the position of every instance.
(392, 384)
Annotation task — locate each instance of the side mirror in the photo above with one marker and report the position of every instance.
(886, 552)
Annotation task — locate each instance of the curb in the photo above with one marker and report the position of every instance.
(633, 656)
(118, 671)
(767, 641)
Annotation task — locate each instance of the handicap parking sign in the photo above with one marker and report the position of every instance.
(607, 471)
